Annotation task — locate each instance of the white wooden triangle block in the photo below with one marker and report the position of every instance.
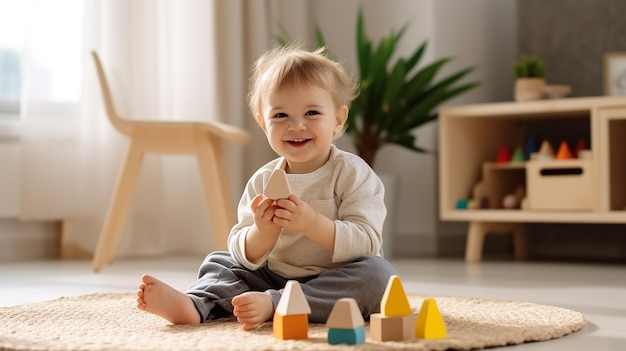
(292, 300)
(278, 186)
(345, 315)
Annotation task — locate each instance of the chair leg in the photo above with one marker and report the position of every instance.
(118, 208)
(216, 190)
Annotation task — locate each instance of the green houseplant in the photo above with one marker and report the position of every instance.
(529, 74)
(395, 97)
(528, 67)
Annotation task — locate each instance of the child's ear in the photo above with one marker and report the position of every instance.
(260, 121)
(342, 117)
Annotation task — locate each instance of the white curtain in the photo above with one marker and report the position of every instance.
(166, 60)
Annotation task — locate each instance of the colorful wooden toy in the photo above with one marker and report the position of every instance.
(394, 302)
(461, 204)
(531, 148)
(291, 319)
(278, 186)
(384, 328)
(430, 324)
(345, 323)
(564, 153)
(395, 322)
(546, 152)
(518, 155)
(581, 144)
(504, 155)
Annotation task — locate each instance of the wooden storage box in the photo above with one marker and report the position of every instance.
(559, 185)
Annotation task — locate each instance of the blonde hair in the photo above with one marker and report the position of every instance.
(289, 66)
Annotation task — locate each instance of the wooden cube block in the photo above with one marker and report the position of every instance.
(295, 326)
(392, 328)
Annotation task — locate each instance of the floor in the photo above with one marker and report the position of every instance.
(598, 291)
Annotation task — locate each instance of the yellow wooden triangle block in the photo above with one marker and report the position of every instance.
(429, 323)
(278, 186)
(394, 302)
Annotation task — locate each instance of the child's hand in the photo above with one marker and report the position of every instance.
(264, 211)
(294, 214)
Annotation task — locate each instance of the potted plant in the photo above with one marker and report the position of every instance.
(397, 97)
(530, 80)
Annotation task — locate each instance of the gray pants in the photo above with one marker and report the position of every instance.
(221, 278)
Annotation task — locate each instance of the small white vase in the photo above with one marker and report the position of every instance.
(527, 89)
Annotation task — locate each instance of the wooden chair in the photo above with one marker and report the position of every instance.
(167, 137)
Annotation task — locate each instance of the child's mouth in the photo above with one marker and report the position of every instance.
(298, 142)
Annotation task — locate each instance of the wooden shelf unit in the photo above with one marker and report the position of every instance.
(471, 135)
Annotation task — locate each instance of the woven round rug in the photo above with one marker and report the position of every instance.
(111, 322)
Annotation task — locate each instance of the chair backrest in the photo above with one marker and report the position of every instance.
(122, 125)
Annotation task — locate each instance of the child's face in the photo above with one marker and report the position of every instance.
(300, 123)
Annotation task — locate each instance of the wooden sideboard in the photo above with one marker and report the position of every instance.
(469, 141)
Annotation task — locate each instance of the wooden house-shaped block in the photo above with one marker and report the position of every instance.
(395, 322)
(345, 323)
(291, 320)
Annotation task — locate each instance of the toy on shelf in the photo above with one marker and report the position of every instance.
(564, 153)
(345, 323)
(518, 155)
(395, 322)
(278, 186)
(546, 152)
(291, 320)
(504, 155)
(531, 148)
(581, 145)
(515, 200)
(430, 324)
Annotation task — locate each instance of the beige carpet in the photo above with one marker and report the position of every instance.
(111, 322)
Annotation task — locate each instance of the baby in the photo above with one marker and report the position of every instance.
(326, 234)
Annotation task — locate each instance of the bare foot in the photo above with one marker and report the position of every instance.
(252, 308)
(158, 298)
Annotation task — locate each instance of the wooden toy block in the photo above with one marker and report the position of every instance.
(290, 318)
(546, 152)
(291, 327)
(292, 300)
(581, 144)
(394, 302)
(278, 186)
(345, 315)
(564, 153)
(384, 328)
(504, 155)
(518, 155)
(531, 148)
(354, 336)
(430, 324)
(461, 204)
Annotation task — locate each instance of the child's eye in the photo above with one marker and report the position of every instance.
(280, 115)
(312, 113)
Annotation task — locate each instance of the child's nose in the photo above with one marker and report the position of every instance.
(296, 123)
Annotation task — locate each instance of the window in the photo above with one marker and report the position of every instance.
(40, 52)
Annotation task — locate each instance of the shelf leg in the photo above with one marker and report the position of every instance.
(476, 238)
(520, 243)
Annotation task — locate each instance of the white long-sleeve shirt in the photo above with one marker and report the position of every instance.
(346, 190)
